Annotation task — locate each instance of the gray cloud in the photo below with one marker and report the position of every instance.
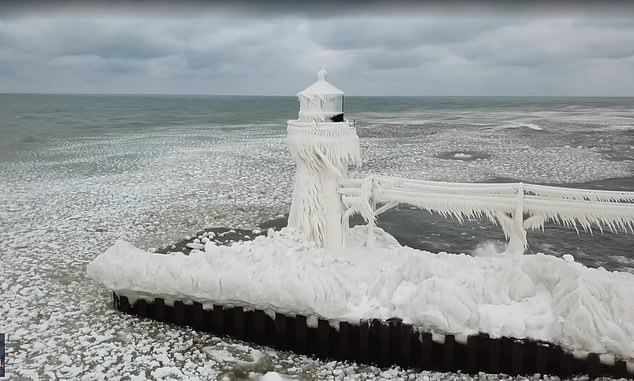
(398, 33)
(404, 51)
(547, 42)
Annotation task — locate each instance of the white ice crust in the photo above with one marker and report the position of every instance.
(322, 151)
(517, 207)
(535, 296)
(320, 101)
(321, 86)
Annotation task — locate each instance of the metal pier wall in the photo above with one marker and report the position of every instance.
(382, 343)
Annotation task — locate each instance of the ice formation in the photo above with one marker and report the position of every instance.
(537, 296)
(322, 145)
(515, 206)
(306, 269)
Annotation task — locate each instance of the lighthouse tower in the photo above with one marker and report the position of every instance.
(322, 144)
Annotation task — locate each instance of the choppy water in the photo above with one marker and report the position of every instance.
(79, 172)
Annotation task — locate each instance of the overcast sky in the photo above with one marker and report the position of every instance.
(367, 49)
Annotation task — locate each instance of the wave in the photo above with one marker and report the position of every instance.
(510, 125)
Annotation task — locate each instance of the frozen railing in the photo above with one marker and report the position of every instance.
(516, 207)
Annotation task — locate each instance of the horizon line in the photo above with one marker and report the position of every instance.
(293, 95)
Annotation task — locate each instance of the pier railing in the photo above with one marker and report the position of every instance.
(516, 207)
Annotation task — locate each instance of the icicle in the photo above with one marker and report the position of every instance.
(616, 216)
(323, 152)
(506, 204)
(580, 194)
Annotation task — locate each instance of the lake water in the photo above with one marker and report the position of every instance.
(80, 171)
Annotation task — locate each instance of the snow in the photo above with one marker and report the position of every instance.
(220, 354)
(272, 376)
(321, 86)
(536, 296)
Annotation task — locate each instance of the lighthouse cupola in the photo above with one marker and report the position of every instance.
(321, 101)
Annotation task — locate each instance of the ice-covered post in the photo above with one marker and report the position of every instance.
(322, 144)
(514, 228)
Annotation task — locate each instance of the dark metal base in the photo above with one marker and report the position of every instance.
(381, 343)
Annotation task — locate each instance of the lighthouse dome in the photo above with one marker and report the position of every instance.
(321, 101)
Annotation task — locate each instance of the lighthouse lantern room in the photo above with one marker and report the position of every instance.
(321, 101)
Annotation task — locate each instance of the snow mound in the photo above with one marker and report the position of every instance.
(535, 296)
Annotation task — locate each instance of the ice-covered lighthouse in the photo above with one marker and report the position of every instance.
(322, 144)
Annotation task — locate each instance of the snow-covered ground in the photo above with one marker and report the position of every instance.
(66, 199)
(534, 296)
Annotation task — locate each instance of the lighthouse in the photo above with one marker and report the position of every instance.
(323, 144)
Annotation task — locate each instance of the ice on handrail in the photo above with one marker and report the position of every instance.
(515, 206)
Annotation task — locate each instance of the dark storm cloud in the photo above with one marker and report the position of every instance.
(400, 50)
